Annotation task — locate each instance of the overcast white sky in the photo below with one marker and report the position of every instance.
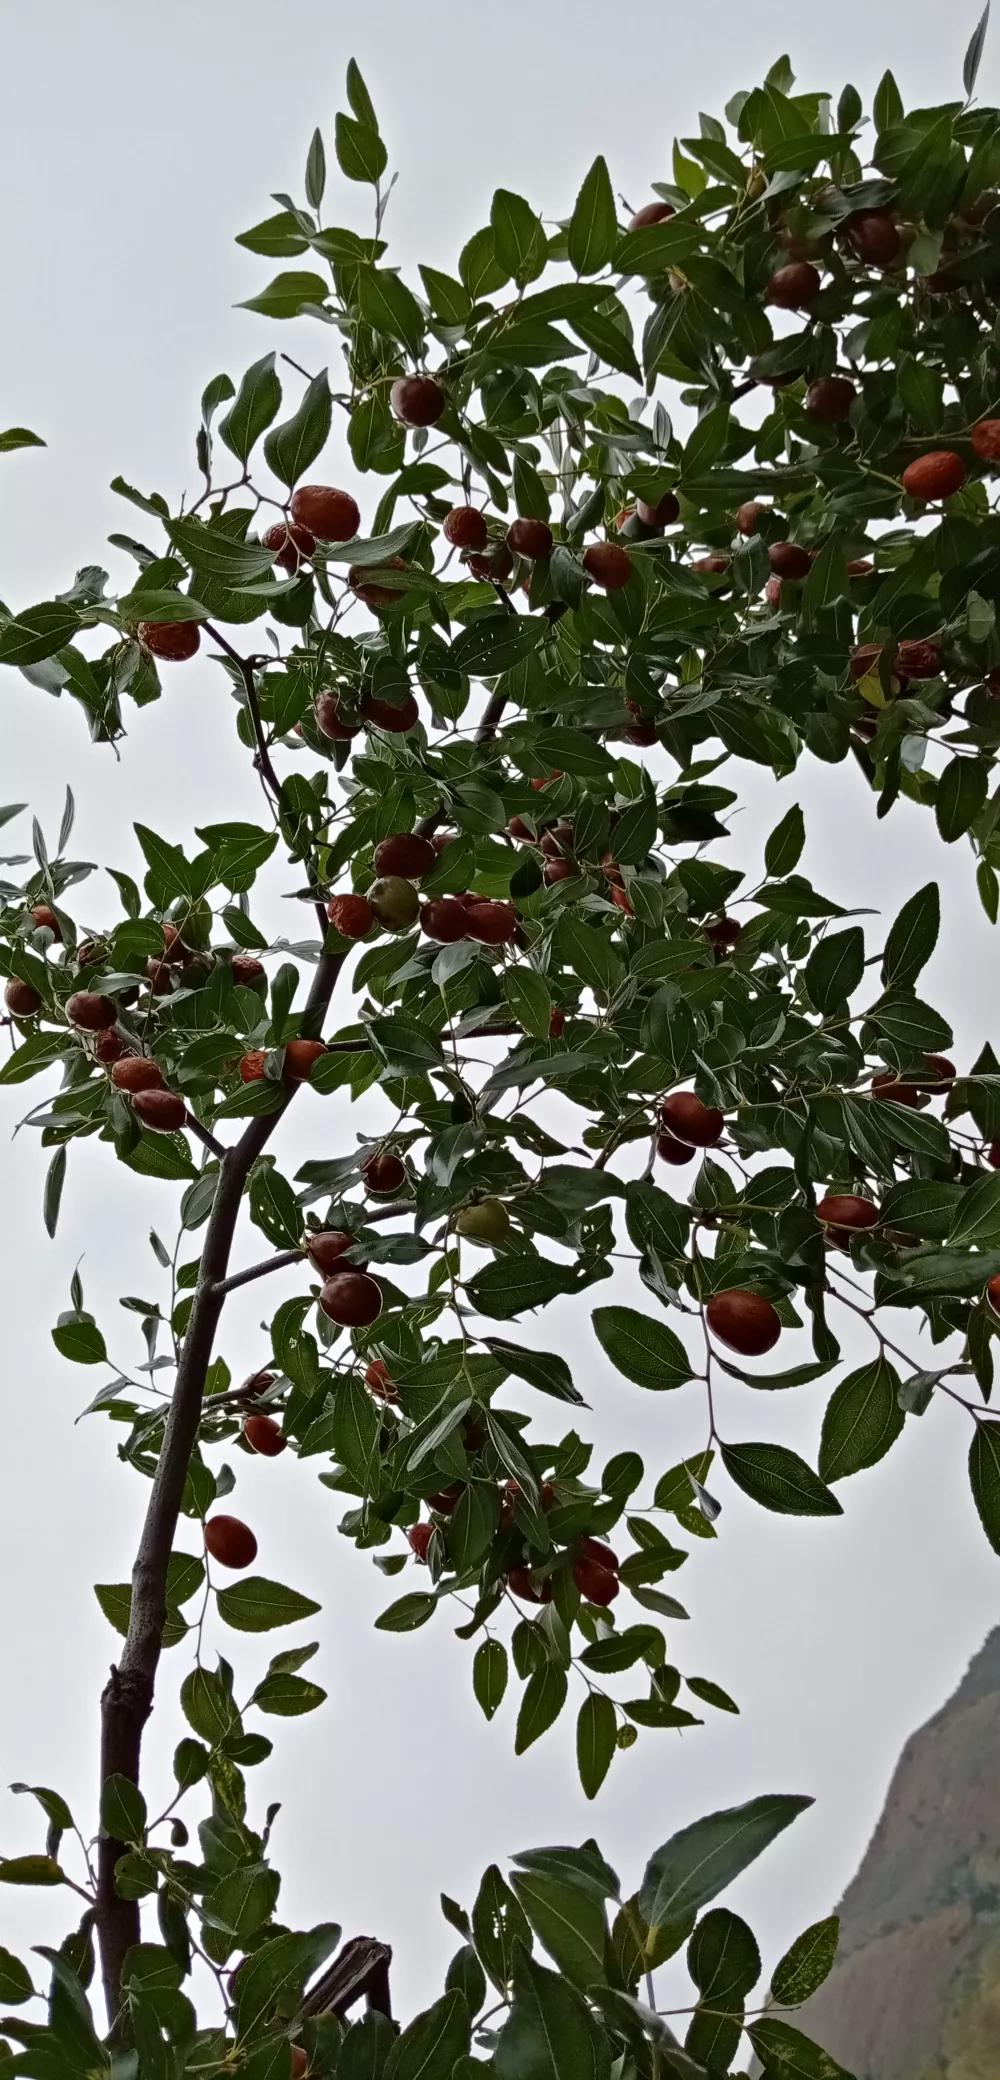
(138, 142)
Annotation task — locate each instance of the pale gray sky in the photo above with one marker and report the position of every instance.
(138, 141)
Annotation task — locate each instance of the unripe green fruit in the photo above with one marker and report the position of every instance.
(394, 902)
(487, 1221)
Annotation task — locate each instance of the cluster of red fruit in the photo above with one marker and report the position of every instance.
(594, 1566)
(393, 903)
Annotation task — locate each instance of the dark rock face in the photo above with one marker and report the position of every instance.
(915, 1994)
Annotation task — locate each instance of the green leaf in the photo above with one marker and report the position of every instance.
(77, 1337)
(431, 2043)
(568, 1919)
(835, 968)
(514, 1285)
(783, 849)
(37, 633)
(977, 1218)
(361, 155)
(593, 227)
(530, 1001)
(542, 1369)
(274, 1208)
(973, 55)
(543, 1700)
(863, 1418)
(961, 792)
(55, 1178)
(315, 181)
(984, 1476)
(778, 1479)
(518, 235)
(288, 295)
(711, 1693)
(489, 1675)
(388, 306)
(257, 400)
(405, 1049)
(596, 1735)
(642, 1347)
(30, 1870)
(219, 555)
(287, 1696)
(498, 1928)
(409, 1612)
(18, 437)
(788, 2055)
(257, 1605)
(291, 447)
(912, 938)
(278, 238)
(806, 1963)
(123, 1810)
(15, 1979)
(697, 1864)
(550, 2032)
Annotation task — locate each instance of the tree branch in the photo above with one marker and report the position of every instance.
(265, 764)
(194, 1126)
(128, 1697)
(279, 1262)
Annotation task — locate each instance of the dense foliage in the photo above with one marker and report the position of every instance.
(492, 715)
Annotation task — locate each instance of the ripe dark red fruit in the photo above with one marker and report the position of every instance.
(445, 920)
(46, 920)
(394, 902)
(493, 924)
(246, 972)
(300, 2062)
(417, 400)
(687, 1119)
(265, 1436)
(326, 1248)
(937, 1070)
(619, 897)
(748, 517)
(394, 716)
(890, 1088)
(383, 1173)
(331, 722)
(160, 973)
(351, 1299)
(379, 1381)
(985, 440)
(557, 1024)
(292, 545)
(874, 237)
(865, 661)
(89, 1011)
(918, 660)
(608, 565)
(651, 213)
(258, 1383)
(745, 1322)
(231, 1542)
(993, 1155)
(21, 1000)
(441, 839)
(671, 1151)
(531, 538)
(993, 1293)
(330, 515)
(495, 565)
(846, 1214)
(364, 583)
(406, 853)
(88, 951)
(174, 641)
(793, 286)
(789, 560)
(137, 1073)
(110, 1045)
(772, 593)
(595, 1571)
(557, 842)
(164, 1111)
(300, 1057)
(446, 1501)
(252, 1065)
(830, 398)
(520, 1583)
(723, 933)
(712, 565)
(558, 870)
(419, 1537)
(465, 528)
(937, 475)
(663, 514)
(353, 916)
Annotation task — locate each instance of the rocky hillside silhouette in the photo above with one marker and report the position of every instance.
(915, 1994)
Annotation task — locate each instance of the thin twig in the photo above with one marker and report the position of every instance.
(208, 1140)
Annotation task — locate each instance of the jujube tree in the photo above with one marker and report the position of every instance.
(491, 704)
